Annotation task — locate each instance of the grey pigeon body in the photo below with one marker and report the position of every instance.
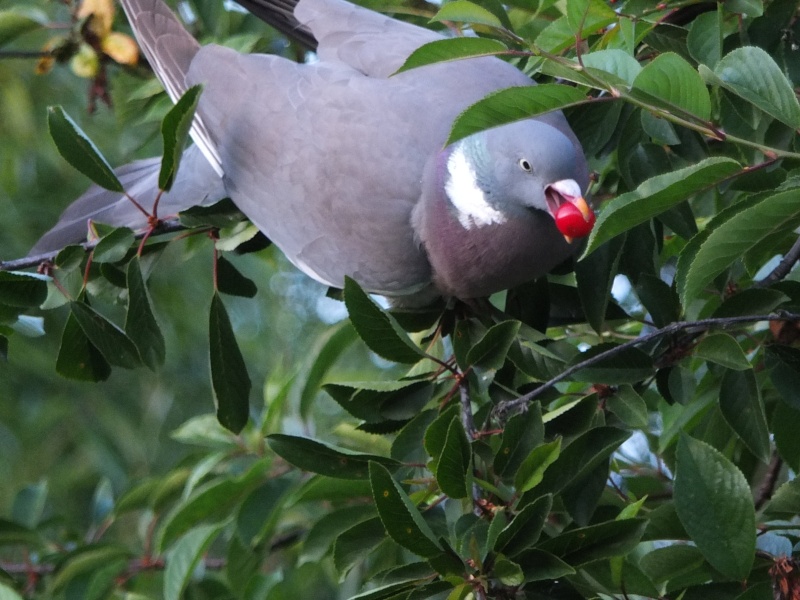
(342, 164)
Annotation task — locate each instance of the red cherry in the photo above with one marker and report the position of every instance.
(571, 221)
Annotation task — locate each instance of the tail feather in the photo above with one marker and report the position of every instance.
(170, 49)
(196, 184)
(280, 15)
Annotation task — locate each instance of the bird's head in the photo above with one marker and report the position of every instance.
(506, 172)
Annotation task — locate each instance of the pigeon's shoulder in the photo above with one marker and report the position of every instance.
(367, 41)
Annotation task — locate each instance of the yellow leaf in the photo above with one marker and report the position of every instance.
(102, 13)
(85, 63)
(44, 65)
(121, 48)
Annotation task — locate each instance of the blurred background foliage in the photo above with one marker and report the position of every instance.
(73, 434)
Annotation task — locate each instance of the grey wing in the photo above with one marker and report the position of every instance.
(196, 183)
(367, 41)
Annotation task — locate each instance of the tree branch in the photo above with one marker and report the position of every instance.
(701, 325)
(767, 486)
(25, 54)
(168, 226)
(783, 268)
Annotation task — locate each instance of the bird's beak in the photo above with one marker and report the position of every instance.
(569, 222)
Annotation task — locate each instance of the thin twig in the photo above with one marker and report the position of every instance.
(700, 325)
(782, 270)
(25, 54)
(767, 486)
(468, 421)
(168, 226)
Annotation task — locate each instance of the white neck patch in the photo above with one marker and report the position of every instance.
(465, 194)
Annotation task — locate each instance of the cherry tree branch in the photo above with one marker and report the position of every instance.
(698, 326)
(167, 226)
(782, 270)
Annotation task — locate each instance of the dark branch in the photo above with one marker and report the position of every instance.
(767, 486)
(168, 226)
(783, 268)
(25, 54)
(691, 326)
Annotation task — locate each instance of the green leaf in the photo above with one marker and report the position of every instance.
(513, 104)
(113, 246)
(175, 131)
(784, 362)
(671, 82)
(714, 504)
(116, 347)
(785, 502)
(538, 565)
(182, 560)
(704, 41)
(329, 347)
(626, 366)
(752, 74)
(588, 16)
(375, 402)
(436, 433)
(357, 542)
(19, 20)
(229, 377)
(327, 528)
(595, 276)
(222, 214)
(214, 501)
(671, 562)
(524, 530)
(722, 349)
(522, 433)
(230, 281)
(489, 352)
(29, 504)
(614, 61)
(22, 290)
(140, 324)
(729, 240)
(259, 511)
(7, 593)
(78, 358)
(785, 425)
(379, 330)
(596, 542)
(452, 49)
(316, 457)
(507, 572)
(79, 151)
(741, 406)
(407, 445)
(85, 560)
(463, 11)
(402, 520)
(628, 406)
(454, 462)
(657, 195)
(531, 471)
(581, 456)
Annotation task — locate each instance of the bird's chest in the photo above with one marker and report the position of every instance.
(476, 250)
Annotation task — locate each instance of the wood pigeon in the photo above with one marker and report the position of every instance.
(342, 164)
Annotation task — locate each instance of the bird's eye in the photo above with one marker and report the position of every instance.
(525, 165)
